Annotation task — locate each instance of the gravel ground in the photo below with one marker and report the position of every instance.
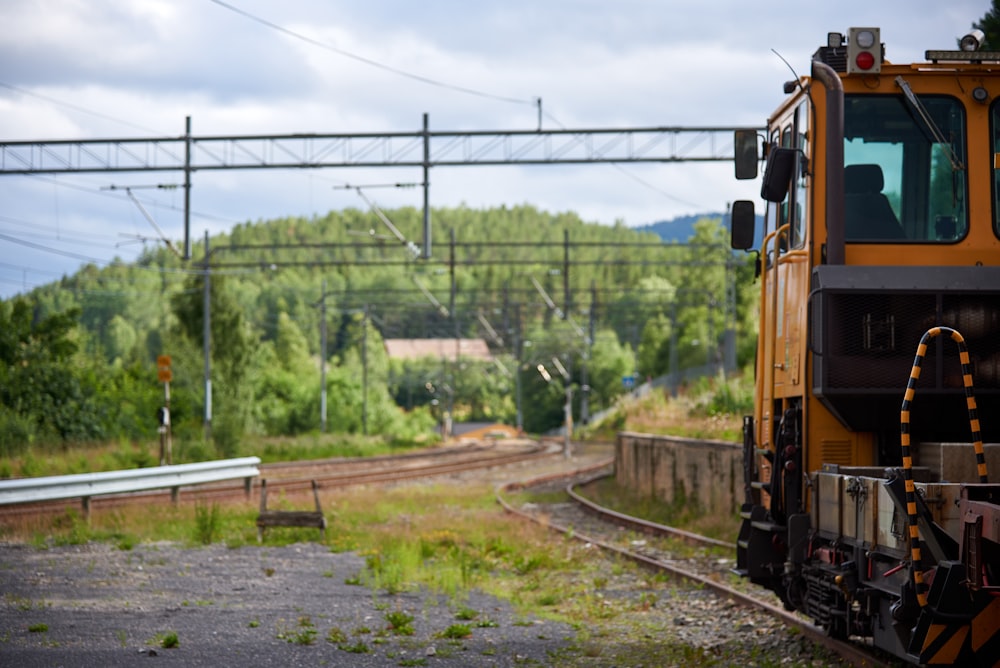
(249, 606)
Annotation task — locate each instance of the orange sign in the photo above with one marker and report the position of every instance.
(163, 372)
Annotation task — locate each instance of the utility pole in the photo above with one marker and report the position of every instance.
(322, 361)
(364, 372)
(206, 342)
(427, 187)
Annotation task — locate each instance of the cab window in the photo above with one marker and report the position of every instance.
(904, 171)
(790, 210)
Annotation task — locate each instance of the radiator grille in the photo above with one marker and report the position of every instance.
(866, 323)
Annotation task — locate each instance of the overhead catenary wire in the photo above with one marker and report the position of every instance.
(374, 63)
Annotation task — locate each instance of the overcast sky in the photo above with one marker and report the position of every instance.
(98, 69)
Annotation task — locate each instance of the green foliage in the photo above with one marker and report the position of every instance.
(990, 25)
(77, 357)
(169, 640)
(400, 622)
(44, 396)
(457, 631)
(207, 522)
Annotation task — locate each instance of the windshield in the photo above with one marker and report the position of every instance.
(903, 179)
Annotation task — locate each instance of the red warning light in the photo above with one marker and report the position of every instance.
(865, 61)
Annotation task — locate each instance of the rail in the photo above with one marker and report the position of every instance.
(86, 485)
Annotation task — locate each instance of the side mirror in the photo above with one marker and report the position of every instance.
(778, 174)
(745, 154)
(742, 222)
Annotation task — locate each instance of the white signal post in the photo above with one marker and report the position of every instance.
(164, 374)
(568, 406)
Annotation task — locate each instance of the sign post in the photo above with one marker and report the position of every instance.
(164, 375)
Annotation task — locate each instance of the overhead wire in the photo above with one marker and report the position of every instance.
(76, 107)
(369, 61)
(629, 173)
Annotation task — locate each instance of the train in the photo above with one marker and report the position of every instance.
(871, 463)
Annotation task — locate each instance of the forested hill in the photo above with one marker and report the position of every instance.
(278, 288)
(680, 229)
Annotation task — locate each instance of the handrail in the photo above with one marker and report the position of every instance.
(86, 485)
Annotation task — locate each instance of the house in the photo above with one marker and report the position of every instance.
(409, 349)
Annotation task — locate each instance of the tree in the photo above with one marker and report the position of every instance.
(233, 351)
(41, 393)
(654, 347)
(990, 25)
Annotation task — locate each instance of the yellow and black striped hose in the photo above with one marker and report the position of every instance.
(904, 428)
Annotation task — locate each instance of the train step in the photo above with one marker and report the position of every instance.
(768, 526)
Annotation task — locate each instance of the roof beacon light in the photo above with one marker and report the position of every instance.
(864, 51)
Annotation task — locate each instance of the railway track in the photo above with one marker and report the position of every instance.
(699, 563)
(295, 478)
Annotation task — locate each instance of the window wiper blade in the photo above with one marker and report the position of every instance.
(956, 164)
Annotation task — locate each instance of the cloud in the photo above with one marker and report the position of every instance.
(107, 68)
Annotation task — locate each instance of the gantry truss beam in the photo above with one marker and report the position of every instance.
(424, 148)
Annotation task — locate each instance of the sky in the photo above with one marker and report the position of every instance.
(102, 69)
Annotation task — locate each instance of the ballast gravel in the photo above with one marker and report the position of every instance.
(95, 605)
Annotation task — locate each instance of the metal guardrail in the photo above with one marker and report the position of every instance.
(86, 485)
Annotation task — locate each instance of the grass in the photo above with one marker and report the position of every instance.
(166, 640)
(400, 622)
(711, 408)
(43, 459)
(679, 513)
(302, 633)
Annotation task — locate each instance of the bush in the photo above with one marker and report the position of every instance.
(17, 432)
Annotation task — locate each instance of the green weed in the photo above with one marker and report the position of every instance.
(336, 636)
(358, 647)
(207, 521)
(166, 640)
(400, 622)
(456, 632)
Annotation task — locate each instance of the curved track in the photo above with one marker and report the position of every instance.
(702, 568)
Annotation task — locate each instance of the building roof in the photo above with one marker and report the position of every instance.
(438, 348)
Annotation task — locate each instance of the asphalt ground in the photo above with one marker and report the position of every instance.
(96, 605)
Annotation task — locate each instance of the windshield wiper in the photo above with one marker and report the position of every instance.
(956, 164)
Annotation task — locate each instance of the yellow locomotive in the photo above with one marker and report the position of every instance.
(868, 504)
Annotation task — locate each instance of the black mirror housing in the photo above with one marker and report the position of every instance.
(745, 154)
(742, 222)
(778, 174)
